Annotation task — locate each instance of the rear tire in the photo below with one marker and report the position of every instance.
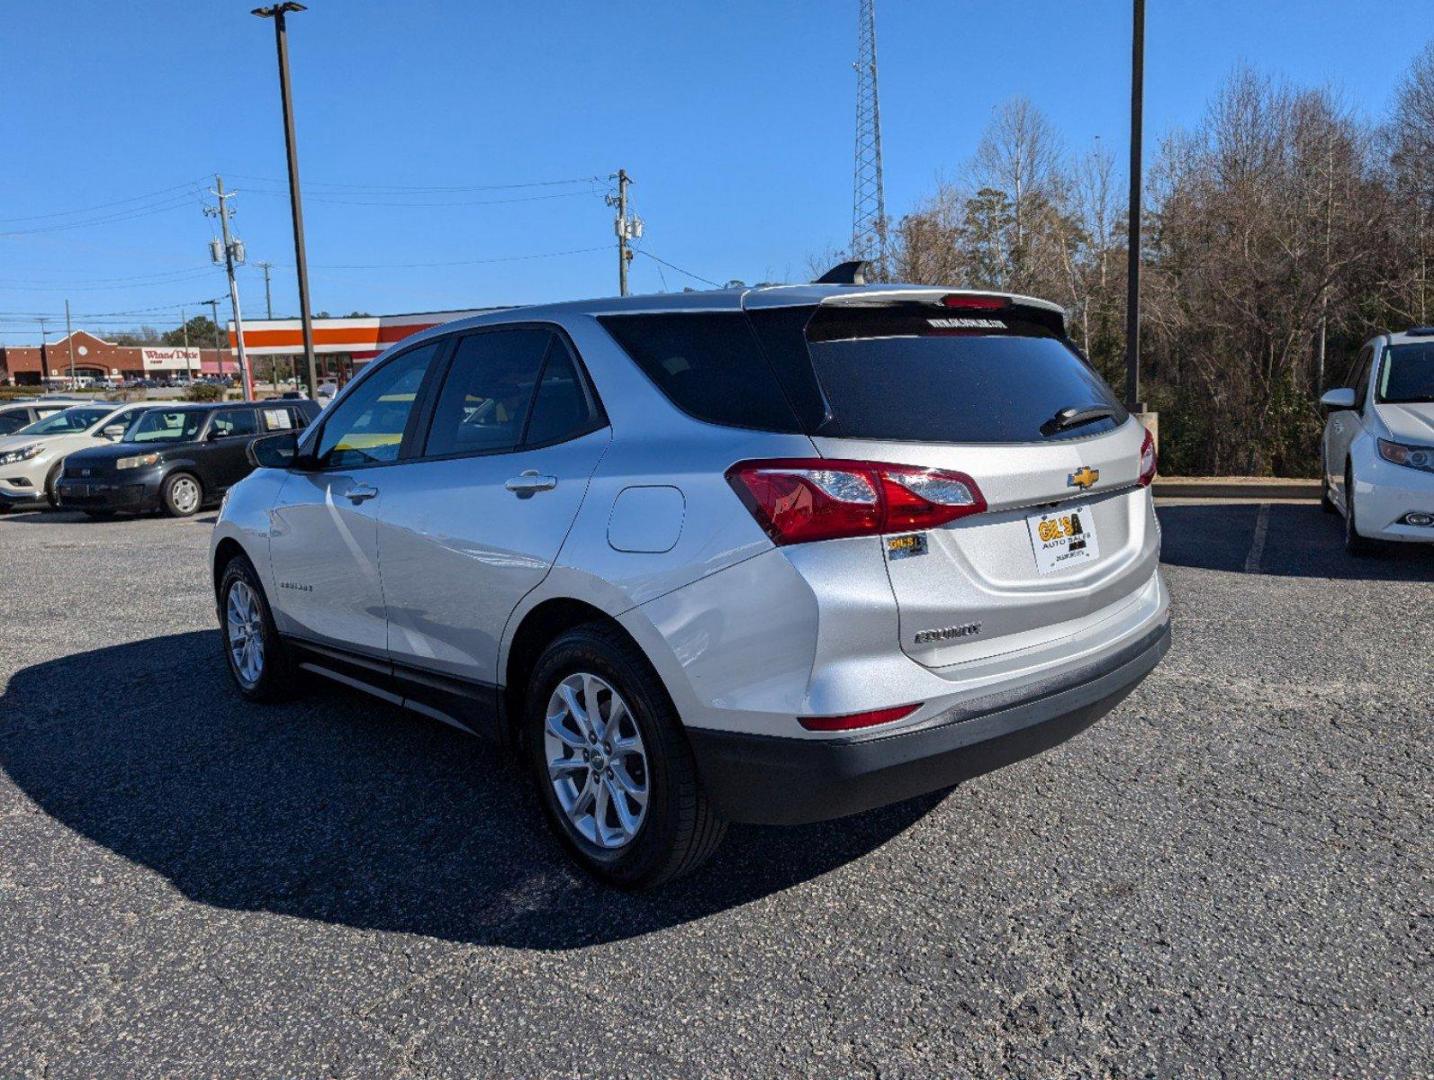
(181, 494)
(1354, 544)
(262, 671)
(678, 829)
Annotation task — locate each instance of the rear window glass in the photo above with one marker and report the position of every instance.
(709, 365)
(892, 374)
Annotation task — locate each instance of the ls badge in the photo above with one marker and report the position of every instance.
(1083, 478)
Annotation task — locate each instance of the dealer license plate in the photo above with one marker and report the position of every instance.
(1063, 538)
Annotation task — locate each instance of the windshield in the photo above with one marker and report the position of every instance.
(69, 421)
(166, 425)
(1408, 374)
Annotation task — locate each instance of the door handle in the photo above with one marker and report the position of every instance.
(360, 493)
(530, 483)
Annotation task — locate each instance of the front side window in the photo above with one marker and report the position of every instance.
(166, 426)
(1359, 378)
(231, 423)
(485, 399)
(67, 422)
(1408, 375)
(366, 428)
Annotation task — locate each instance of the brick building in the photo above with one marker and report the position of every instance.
(30, 365)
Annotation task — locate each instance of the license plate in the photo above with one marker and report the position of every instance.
(1063, 538)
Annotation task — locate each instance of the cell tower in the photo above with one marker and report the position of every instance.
(868, 199)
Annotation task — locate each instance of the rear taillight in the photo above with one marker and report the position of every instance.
(1147, 459)
(797, 500)
(856, 720)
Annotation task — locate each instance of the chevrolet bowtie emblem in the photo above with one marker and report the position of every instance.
(1083, 477)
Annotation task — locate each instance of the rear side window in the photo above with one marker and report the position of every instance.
(709, 365)
(563, 407)
(13, 421)
(233, 423)
(900, 375)
(485, 398)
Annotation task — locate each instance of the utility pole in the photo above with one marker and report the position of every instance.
(70, 341)
(184, 329)
(627, 226)
(233, 252)
(268, 298)
(277, 12)
(218, 348)
(1132, 271)
(44, 354)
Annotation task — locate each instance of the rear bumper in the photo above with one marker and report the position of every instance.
(765, 779)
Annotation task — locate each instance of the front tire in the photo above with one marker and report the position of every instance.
(181, 495)
(614, 773)
(1354, 544)
(253, 650)
(52, 489)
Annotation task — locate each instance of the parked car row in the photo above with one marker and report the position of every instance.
(103, 458)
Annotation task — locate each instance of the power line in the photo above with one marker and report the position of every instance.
(455, 262)
(429, 190)
(332, 200)
(103, 206)
(128, 215)
(689, 273)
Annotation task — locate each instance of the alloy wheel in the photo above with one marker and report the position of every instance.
(596, 761)
(244, 626)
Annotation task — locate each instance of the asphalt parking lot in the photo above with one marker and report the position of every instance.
(1231, 875)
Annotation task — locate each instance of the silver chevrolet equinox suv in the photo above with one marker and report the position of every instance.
(777, 554)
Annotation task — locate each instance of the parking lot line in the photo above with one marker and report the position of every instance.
(1257, 542)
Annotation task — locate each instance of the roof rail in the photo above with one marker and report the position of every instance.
(1420, 331)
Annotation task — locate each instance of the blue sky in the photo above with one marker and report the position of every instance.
(734, 118)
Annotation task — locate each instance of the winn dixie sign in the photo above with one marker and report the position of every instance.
(170, 359)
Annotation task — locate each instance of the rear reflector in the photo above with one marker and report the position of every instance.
(797, 500)
(857, 720)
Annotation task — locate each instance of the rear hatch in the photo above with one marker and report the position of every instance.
(986, 386)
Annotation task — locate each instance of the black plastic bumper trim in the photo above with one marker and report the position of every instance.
(775, 780)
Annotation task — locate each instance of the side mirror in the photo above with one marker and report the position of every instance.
(279, 451)
(1339, 398)
(113, 431)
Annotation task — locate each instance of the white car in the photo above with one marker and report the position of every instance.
(32, 458)
(15, 415)
(1378, 448)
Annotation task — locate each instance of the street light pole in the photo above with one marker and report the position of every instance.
(277, 12)
(1132, 272)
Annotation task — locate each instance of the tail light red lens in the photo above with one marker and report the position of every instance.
(797, 500)
(856, 720)
(1147, 459)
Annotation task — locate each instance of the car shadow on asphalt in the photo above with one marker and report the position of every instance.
(343, 809)
(1299, 540)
